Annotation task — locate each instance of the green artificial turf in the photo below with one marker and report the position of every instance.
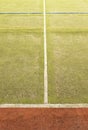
(21, 6)
(32, 23)
(22, 55)
(51, 6)
(21, 67)
(67, 5)
(67, 23)
(67, 38)
(68, 67)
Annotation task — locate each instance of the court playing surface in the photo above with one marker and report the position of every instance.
(22, 52)
(44, 65)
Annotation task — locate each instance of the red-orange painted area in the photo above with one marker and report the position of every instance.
(43, 119)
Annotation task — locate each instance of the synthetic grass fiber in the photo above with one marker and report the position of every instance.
(68, 67)
(21, 67)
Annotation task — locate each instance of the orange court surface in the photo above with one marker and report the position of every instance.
(43, 119)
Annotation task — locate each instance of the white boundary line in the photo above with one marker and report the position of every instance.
(45, 57)
(43, 105)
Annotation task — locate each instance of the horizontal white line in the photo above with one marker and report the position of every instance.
(40, 13)
(44, 105)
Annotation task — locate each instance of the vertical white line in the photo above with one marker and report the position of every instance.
(45, 57)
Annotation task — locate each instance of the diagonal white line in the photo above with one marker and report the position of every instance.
(45, 57)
